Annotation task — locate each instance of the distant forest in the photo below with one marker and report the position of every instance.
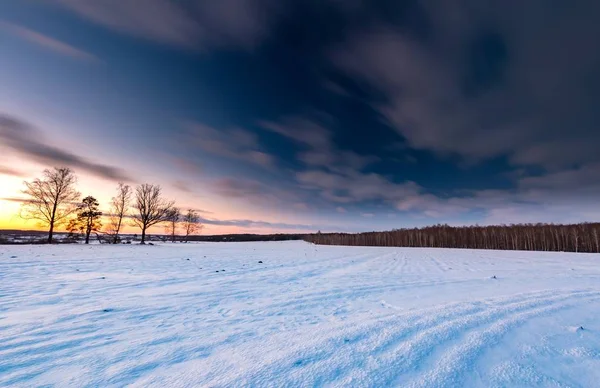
(528, 237)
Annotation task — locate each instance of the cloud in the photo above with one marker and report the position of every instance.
(254, 191)
(4, 170)
(194, 24)
(29, 142)
(484, 80)
(320, 149)
(14, 199)
(47, 42)
(182, 186)
(354, 186)
(228, 143)
(262, 224)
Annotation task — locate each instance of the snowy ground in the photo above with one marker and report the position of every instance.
(308, 315)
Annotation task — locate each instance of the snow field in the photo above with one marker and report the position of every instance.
(306, 316)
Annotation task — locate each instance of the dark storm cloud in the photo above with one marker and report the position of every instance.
(29, 142)
(515, 79)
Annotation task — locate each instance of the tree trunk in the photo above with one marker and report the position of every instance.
(117, 231)
(51, 232)
(87, 235)
(143, 235)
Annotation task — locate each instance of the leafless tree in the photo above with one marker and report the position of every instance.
(191, 223)
(150, 207)
(172, 217)
(119, 206)
(533, 237)
(52, 198)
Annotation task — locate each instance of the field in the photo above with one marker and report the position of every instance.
(296, 314)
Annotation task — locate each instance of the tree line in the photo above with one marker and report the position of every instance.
(584, 237)
(53, 201)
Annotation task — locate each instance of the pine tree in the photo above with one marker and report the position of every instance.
(88, 218)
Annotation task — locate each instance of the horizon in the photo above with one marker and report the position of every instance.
(284, 117)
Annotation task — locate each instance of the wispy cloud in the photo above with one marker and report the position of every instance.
(473, 88)
(354, 187)
(20, 137)
(4, 170)
(187, 24)
(255, 192)
(48, 42)
(236, 143)
(263, 224)
(320, 149)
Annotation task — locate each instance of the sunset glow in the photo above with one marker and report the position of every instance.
(357, 126)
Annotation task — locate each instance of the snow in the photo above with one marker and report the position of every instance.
(74, 315)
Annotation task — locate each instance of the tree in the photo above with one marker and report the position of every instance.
(150, 207)
(51, 199)
(191, 223)
(119, 206)
(172, 217)
(88, 218)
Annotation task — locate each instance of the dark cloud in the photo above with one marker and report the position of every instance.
(29, 142)
(513, 79)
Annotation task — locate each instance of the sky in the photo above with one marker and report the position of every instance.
(297, 116)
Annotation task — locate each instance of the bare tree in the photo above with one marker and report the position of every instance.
(51, 199)
(119, 206)
(150, 207)
(88, 218)
(191, 223)
(172, 218)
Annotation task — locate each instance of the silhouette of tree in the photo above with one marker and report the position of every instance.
(191, 223)
(172, 218)
(52, 198)
(150, 207)
(583, 237)
(119, 207)
(88, 218)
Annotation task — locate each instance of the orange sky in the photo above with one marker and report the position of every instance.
(11, 186)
